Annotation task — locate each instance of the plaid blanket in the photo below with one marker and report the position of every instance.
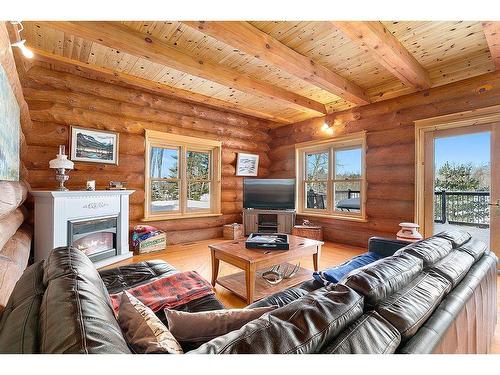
(169, 291)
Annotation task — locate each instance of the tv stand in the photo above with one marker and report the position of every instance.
(268, 221)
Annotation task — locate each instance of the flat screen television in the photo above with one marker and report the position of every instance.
(272, 194)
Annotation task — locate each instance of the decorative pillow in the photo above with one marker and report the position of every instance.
(143, 330)
(336, 273)
(201, 327)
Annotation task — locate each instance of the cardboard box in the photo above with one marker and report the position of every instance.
(155, 243)
(233, 231)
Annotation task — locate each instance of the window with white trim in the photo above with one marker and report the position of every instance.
(182, 176)
(331, 177)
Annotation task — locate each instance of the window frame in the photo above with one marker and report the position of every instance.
(351, 141)
(184, 144)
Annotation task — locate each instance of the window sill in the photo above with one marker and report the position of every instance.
(179, 216)
(359, 219)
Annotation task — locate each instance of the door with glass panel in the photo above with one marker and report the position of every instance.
(462, 181)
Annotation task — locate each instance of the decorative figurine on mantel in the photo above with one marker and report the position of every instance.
(61, 164)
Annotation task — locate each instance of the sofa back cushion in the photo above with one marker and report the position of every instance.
(455, 236)
(10, 272)
(430, 250)
(19, 323)
(454, 266)
(303, 326)
(409, 307)
(76, 314)
(370, 334)
(380, 279)
(474, 248)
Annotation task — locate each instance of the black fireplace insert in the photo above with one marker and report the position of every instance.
(96, 237)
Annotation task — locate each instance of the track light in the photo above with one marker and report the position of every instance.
(25, 50)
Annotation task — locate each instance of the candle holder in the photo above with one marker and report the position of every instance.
(61, 164)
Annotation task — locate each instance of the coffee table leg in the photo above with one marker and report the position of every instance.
(316, 259)
(215, 267)
(250, 282)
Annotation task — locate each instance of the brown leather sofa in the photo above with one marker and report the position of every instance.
(434, 296)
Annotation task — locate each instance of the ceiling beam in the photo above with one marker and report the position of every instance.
(492, 32)
(153, 86)
(135, 43)
(374, 38)
(251, 40)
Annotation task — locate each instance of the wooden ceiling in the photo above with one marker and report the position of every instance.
(282, 71)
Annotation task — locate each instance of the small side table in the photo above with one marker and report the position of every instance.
(311, 232)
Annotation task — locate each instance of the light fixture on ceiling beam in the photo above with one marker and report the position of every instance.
(327, 128)
(21, 44)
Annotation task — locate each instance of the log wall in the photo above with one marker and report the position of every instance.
(390, 159)
(15, 237)
(59, 99)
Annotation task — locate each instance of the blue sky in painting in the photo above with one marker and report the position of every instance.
(473, 148)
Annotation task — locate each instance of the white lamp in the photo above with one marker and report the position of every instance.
(61, 164)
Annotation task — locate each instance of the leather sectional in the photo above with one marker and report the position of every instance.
(434, 296)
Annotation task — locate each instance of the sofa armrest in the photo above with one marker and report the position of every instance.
(385, 246)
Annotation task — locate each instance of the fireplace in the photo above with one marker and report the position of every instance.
(95, 237)
(94, 221)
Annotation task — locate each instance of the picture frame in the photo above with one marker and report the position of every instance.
(247, 164)
(94, 146)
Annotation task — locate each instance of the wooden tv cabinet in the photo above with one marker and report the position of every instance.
(268, 221)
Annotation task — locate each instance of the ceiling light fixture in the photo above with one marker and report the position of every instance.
(21, 44)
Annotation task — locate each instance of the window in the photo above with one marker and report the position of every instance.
(331, 180)
(182, 176)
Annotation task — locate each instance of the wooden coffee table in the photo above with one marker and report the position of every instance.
(248, 284)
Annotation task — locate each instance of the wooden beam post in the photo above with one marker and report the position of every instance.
(374, 38)
(159, 88)
(492, 32)
(130, 41)
(251, 40)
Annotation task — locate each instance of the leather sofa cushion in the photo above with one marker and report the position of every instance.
(19, 323)
(380, 279)
(370, 334)
(280, 299)
(125, 277)
(455, 236)
(303, 326)
(430, 250)
(76, 314)
(454, 266)
(409, 307)
(10, 272)
(471, 290)
(474, 247)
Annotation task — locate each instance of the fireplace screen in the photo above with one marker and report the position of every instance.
(95, 237)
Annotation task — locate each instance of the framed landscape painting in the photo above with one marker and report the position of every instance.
(94, 146)
(247, 164)
(9, 130)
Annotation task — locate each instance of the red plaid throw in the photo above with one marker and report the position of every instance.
(169, 291)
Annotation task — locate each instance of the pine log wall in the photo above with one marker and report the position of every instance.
(15, 233)
(390, 158)
(60, 99)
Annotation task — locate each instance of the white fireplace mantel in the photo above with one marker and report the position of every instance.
(54, 209)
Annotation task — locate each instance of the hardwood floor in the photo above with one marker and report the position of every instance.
(196, 256)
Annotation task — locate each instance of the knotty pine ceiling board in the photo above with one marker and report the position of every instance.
(326, 45)
(197, 44)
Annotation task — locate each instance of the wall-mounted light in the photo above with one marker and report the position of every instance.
(21, 44)
(328, 129)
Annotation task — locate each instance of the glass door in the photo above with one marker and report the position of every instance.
(462, 186)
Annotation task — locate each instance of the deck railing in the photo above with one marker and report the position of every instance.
(462, 207)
